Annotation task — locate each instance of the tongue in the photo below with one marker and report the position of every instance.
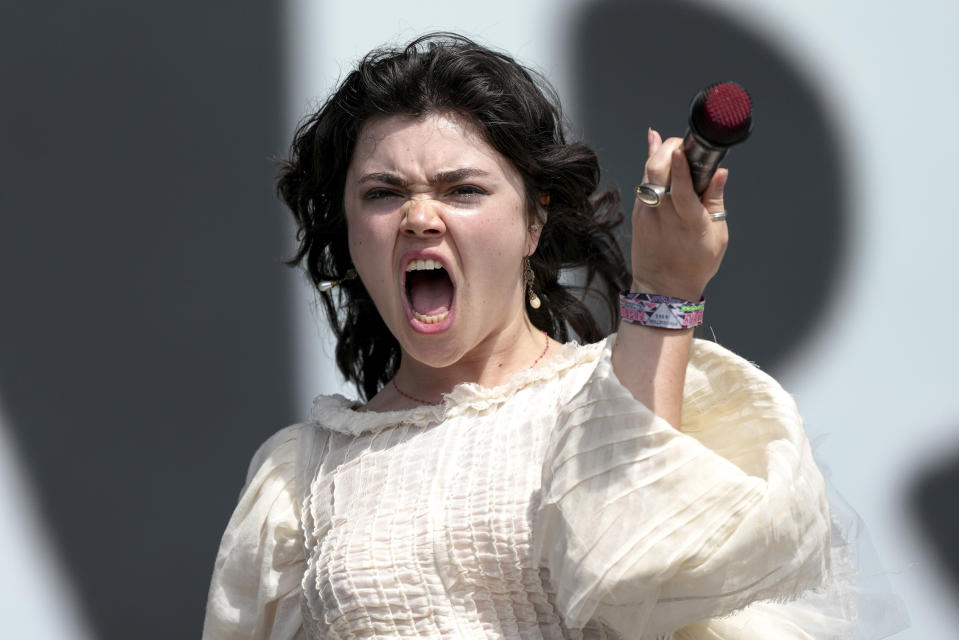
(431, 292)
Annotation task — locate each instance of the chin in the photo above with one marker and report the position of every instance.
(435, 349)
(433, 357)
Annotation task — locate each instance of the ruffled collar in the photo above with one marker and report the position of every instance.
(340, 414)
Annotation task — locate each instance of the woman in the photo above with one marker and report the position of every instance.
(498, 482)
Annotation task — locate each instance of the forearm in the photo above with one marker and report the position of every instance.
(651, 363)
(676, 249)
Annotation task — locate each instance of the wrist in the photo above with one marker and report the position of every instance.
(671, 290)
(665, 312)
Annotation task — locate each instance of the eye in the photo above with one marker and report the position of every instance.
(380, 194)
(467, 192)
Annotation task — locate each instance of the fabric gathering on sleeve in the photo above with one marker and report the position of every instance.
(255, 590)
(650, 529)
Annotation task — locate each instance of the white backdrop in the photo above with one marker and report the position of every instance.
(876, 379)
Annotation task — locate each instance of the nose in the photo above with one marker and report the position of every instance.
(421, 218)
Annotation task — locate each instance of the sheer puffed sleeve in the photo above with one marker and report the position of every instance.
(649, 529)
(255, 591)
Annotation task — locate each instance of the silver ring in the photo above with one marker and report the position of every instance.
(718, 216)
(651, 195)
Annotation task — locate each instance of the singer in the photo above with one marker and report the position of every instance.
(497, 480)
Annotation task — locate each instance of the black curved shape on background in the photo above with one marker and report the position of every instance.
(638, 64)
(932, 498)
(144, 325)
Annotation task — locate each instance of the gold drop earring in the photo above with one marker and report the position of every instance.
(528, 275)
(528, 278)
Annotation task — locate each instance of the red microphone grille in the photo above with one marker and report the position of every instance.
(728, 105)
(722, 113)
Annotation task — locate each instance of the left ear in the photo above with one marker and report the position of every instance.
(534, 230)
(532, 239)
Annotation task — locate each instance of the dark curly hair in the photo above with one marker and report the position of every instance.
(518, 114)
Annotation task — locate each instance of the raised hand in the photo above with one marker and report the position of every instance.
(677, 247)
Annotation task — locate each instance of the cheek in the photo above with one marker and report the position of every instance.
(354, 243)
(358, 236)
(498, 247)
(503, 236)
(370, 251)
(357, 239)
(358, 242)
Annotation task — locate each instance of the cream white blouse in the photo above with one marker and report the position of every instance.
(554, 506)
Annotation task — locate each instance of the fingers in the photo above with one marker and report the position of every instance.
(658, 165)
(686, 201)
(667, 167)
(654, 140)
(713, 196)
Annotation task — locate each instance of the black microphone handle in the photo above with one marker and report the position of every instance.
(703, 159)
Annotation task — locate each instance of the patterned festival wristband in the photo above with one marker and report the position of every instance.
(660, 311)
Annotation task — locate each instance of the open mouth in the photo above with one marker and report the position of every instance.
(429, 290)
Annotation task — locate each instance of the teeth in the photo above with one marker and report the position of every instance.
(424, 265)
(431, 319)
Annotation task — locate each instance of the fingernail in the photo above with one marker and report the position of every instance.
(649, 136)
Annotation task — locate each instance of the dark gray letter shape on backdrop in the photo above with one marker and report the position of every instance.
(144, 326)
(638, 64)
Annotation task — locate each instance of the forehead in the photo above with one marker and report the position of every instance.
(424, 145)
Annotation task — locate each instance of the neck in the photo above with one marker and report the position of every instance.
(491, 363)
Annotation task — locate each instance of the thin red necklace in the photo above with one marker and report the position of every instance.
(414, 399)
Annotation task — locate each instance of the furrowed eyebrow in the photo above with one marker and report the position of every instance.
(455, 175)
(385, 177)
(443, 177)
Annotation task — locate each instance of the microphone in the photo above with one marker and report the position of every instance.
(719, 117)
